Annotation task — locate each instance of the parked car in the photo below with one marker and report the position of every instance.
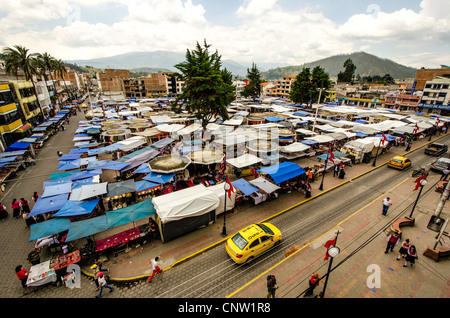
(399, 162)
(436, 149)
(440, 165)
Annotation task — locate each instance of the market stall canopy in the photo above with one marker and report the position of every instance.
(244, 161)
(49, 204)
(159, 178)
(17, 146)
(294, 147)
(140, 159)
(143, 168)
(169, 163)
(49, 227)
(283, 171)
(73, 208)
(220, 191)
(336, 154)
(162, 143)
(189, 202)
(69, 165)
(114, 165)
(56, 189)
(264, 185)
(88, 227)
(131, 213)
(244, 186)
(206, 156)
(86, 174)
(320, 138)
(92, 190)
(305, 132)
(145, 185)
(118, 188)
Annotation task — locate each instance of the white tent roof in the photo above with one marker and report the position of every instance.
(220, 191)
(294, 147)
(92, 190)
(170, 128)
(189, 202)
(305, 131)
(321, 138)
(244, 161)
(264, 185)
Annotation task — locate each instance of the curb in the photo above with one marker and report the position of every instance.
(135, 278)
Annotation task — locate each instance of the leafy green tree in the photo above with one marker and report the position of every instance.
(47, 64)
(307, 85)
(253, 88)
(320, 80)
(301, 88)
(60, 69)
(347, 75)
(207, 89)
(18, 58)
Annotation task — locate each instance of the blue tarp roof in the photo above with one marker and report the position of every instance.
(87, 227)
(57, 175)
(274, 118)
(86, 174)
(283, 171)
(69, 165)
(308, 142)
(246, 187)
(337, 154)
(162, 143)
(114, 165)
(388, 137)
(361, 135)
(72, 208)
(143, 168)
(49, 204)
(18, 146)
(49, 227)
(145, 185)
(158, 177)
(81, 182)
(55, 189)
(135, 212)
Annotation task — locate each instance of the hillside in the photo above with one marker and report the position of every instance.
(366, 64)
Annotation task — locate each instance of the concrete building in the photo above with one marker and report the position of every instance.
(153, 85)
(424, 75)
(402, 102)
(282, 87)
(111, 80)
(436, 97)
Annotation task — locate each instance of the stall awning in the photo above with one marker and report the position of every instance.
(131, 213)
(49, 204)
(92, 190)
(244, 186)
(145, 185)
(73, 208)
(158, 177)
(69, 165)
(24, 128)
(118, 188)
(244, 161)
(283, 171)
(87, 227)
(55, 189)
(18, 146)
(49, 227)
(264, 185)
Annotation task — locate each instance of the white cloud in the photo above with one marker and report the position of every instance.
(255, 7)
(266, 32)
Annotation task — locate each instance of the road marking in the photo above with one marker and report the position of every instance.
(315, 240)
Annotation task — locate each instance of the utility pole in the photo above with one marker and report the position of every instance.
(444, 197)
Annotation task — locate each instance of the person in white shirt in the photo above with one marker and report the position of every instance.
(155, 267)
(386, 204)
(102, 284)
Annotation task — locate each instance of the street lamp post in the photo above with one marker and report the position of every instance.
(226, 187)
(317, 109)
(423, 182)
(333, 251)
(323, 173)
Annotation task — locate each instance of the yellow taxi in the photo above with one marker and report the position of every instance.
(399, 162)
(252, 241)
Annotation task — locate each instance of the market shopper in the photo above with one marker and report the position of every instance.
(102, 284)
(404, 249)
(22, 274)
(313, 283)
(156, 269)
(386, 204)
(15, 205)
(392, 241)
(271, 286)
(34, 257)
(411, 256)
(3, 212)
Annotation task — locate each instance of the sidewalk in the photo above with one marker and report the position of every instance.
(135, 264)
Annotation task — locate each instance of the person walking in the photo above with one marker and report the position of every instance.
(386, 204)
(15, 205)
(392, 241)
(404, 249)
(336, 171)
(33, 257)
(309, 175)
(271, 286)
(411, 256)
(3, 212)
(22, 274)
(102, 284)
(35, 196)
(156, 269)
(313, 283)
(341, 172)
(444, 175)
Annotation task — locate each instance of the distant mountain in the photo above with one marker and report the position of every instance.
(366, 64)
(160, 61)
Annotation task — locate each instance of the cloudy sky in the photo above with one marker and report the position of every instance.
(411, 32)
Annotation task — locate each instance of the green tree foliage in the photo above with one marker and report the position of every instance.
(386, 79)
(207, 89)
(253, 88)
(347, 75)
(307, 85)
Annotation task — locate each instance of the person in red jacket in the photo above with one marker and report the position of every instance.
(313, 283)
(392, 241)
(22, 274)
